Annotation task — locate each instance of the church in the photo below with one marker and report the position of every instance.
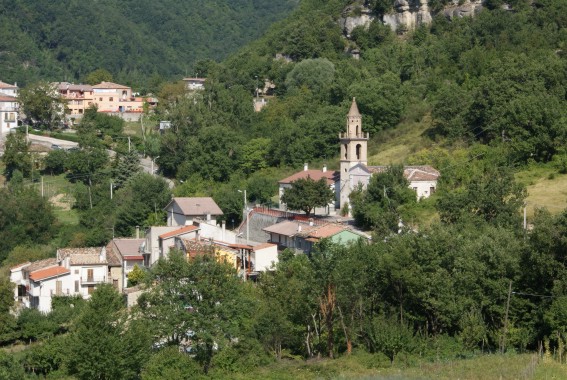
(354, 169)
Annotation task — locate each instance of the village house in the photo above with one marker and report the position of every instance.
(78, 98)
(75, 271)
(182, 211)
(331, 177)
(194, 84)
(128, 253)
(301, 236)
(9, 107)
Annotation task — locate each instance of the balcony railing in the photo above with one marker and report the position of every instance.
(93, 280)
(360, 135)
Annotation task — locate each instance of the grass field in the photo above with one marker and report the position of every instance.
(499, 367)
(546, 188)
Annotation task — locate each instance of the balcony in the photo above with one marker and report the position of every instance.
(93, 280)
(360, 135)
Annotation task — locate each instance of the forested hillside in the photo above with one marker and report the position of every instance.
(132, 39)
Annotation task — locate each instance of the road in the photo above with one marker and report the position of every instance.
(145, 162)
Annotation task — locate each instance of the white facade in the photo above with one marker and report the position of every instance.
(423, 189)
(264, 256)
(151, 247)
(9, 107)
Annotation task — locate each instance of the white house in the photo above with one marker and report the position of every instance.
(9, 107)
(128, 251)
(194, 84)
(181, 211)
(75, 271)
(331, 177)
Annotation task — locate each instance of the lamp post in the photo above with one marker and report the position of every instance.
(245, 213)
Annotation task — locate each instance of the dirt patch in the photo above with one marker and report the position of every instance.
(61, 202)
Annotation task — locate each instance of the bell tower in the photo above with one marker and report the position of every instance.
(354, 149)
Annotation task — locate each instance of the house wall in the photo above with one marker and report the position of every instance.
(263, 258)
(423, 188)
(128, 267)
(151, 245)
(110, 99)
(45, 290)
(8, 116)
(175, 216)
(216, 232)
(167, 244)
(116, 273)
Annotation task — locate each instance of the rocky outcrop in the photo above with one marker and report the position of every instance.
(407, 14)
(355, 15)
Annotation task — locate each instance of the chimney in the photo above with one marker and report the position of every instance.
(137, 232)
(299, 228)
(324, 168)
(311, 221)
(305, 166)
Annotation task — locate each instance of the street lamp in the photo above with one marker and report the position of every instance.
(245, 214)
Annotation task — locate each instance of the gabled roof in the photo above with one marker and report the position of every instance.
(288, 228)
(73, 87)
(82, 256)
(128, 247)
(41, 264)
(330, 176)
(7, 85)
(412, 173)
(196, 205)
(46, 273)
(181, 231)
(110, 85)
(325, 231)
(354, 109)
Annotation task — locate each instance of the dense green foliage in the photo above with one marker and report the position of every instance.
(137, 41)
(305, 194)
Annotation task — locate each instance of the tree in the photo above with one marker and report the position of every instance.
(316, 74)
(197, 301)
(305, 194)
(107, 344)
(169, 363)
(379, 206)
(97, 76)
(42, 105)
(127, 166)
(16, 155)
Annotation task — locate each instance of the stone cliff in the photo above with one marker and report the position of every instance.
(406, 15)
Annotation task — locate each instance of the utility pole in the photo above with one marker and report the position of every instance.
(129, 144)
(111, 185)
(42, 195)
(503, 346)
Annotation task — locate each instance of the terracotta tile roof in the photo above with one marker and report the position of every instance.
(65, 252)
(19, 266)
(241, 246)
(46, 273)
(325, 231)
(110, 85)
(8, 98)
(181, 231)
(263, 246)
(316, 175)
(73, 87)
(289, 228)
(112, 257)
(7, 85)
(412, 173)
(128, 247)
(134, 258)
(196, 205)
(86, 260)
(40, 264)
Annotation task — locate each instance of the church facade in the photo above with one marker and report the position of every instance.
(354, 169)
(354, 163)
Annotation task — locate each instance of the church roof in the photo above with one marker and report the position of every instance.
(412, 173)
(316, 175)
(354, 109)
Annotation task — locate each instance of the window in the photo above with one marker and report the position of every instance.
(115, 283)
(58, 287)
(111, 99)
(90, 289)
(76, 271)
(100, 99)
(76, 286)
(358, 150)
(346, 151)
(415, 189)
(432, 190)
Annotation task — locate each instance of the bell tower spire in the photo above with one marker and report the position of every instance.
(354, 149)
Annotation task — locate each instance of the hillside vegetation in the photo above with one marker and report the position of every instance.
(134, 40)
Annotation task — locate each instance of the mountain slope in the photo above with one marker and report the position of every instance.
(131, 39)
